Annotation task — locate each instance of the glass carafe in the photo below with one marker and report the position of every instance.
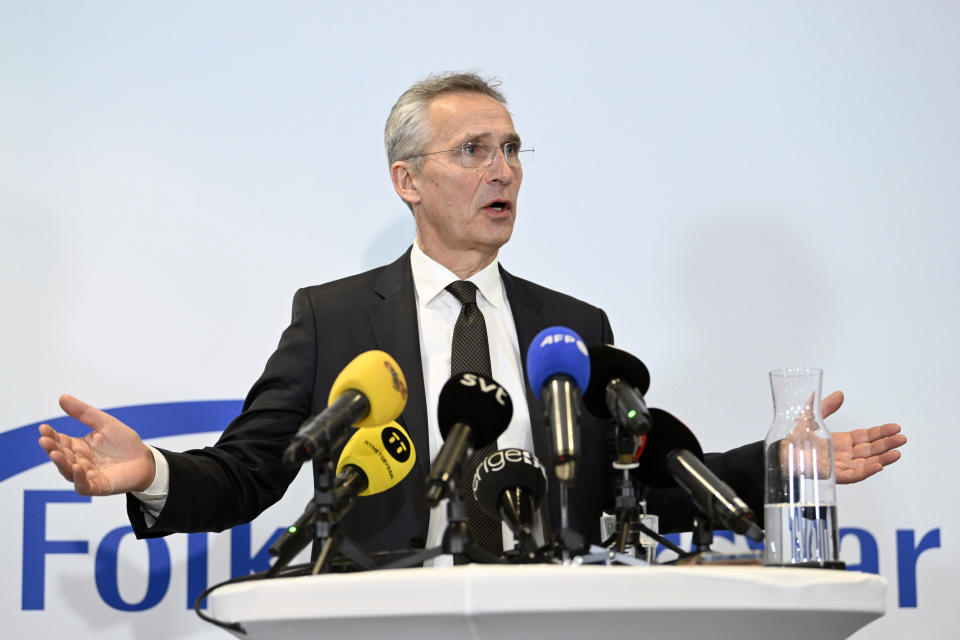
(800, 504)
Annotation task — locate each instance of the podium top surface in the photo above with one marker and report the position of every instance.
(566, 597)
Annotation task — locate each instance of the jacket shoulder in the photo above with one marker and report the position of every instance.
(360, 288)
(541, 307)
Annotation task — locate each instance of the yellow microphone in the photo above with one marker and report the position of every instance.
(370, 391)
(374, 460)
(378, 378)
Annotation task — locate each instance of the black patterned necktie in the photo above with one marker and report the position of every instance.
(470, 351)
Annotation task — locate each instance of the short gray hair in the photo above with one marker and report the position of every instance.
(406, 133)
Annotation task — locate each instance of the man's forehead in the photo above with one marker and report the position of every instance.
(460, 114)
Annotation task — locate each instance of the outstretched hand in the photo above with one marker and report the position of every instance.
(860, 453)
(110, 459)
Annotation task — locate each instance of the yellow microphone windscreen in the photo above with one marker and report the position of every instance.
(377, 376)
(384, 453)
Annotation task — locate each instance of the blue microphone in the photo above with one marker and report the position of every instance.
(558, 367)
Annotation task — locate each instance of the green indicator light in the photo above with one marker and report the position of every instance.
(631, 413)
(292, 529)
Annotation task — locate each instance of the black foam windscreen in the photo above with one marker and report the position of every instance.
(477, 401)
(667, 434)
(508, 469)
(606, 363)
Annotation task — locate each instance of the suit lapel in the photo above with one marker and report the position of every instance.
(393, 316)
(528, 317)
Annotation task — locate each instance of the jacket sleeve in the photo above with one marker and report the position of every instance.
(215, 488)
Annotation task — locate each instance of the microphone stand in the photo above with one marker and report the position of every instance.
(627, 512)
(330, 533)
(628, 506)
(702, 539)
(456, 537)
(322, 525)
(627, 521)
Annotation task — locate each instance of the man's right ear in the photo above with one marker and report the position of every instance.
(405, 182)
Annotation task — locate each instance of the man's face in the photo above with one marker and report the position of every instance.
(466, 209)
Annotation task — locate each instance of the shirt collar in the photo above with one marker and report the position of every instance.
(430, 278)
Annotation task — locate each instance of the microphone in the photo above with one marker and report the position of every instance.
(558, 367)
(711, 495)
(370, 391)
(509, 485)
(666, 434)
(373, 460)
(472, 412)
(618, 381)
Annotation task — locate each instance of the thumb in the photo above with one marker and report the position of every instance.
(85, 413)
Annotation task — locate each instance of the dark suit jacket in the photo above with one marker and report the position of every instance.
(217, 487)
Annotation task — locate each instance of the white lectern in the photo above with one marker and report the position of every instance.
(499, 602)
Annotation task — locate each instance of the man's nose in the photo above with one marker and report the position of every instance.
(498, 169)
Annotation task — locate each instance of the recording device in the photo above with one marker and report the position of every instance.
(373, 460)
(618, 382)
(472, 412)
(370, 391)
(711, 495)
(558, 367)
(509, 485)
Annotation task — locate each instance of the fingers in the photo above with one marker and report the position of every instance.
(88, 480)
(856, 474)
(50, 439)
(48, 431)
(82, 482)
(877, 440)
(831, 403)
(85, 413)
(62, 457)
(62, 464)
(859, 468)
(888, 457)
(875, 433)
(76, 469)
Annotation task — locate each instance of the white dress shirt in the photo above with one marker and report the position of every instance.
(437, 312)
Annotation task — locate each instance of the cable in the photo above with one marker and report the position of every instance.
(236, 626)
(662, 540)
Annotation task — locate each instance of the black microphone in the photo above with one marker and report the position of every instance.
(618, 381)
(509, 485)
(558, 367)
(711, 495)
(369, 392)
(666, 434)
(472, 412)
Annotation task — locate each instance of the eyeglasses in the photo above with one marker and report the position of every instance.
(481, 154)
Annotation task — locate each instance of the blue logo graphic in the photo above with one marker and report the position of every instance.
(19, 450)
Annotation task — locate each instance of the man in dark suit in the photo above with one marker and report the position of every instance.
(455, 159)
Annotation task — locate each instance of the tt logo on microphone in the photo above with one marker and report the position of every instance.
(473, 380)
(396, 443)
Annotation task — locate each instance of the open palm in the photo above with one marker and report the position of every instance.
(110, 459)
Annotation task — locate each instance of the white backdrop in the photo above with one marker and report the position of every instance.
(741, 186)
